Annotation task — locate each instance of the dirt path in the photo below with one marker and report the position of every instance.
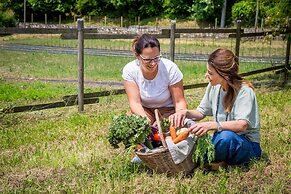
(103, 52)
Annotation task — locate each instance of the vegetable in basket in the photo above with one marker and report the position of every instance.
(180, 135)
(129, 129)
(204, 147)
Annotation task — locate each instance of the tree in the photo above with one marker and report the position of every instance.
(177, 8)
(52, 6)
(223, 13)
(244, 11)
(276, 12)
(205, 10)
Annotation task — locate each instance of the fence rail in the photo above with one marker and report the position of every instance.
(172, 33)
(93, 97)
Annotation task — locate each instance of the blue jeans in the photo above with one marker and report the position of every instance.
(234, 149)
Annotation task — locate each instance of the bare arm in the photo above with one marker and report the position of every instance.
(195, 115)
(237, 126)
(177, 93)
(133, 96)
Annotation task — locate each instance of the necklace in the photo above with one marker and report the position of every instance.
(217, 106)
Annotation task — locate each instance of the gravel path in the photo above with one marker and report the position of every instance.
(103, 52)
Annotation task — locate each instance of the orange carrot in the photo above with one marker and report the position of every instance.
(181, 137)
(173, 132)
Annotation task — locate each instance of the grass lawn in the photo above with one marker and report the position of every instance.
(61, 150)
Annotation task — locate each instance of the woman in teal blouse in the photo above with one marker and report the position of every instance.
(232, 103)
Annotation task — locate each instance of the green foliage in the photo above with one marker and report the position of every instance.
(150, 8)
(176, 8)
(165, 125)
(275, 13)
(7, 19)
(51, 6)
(15, 6)
(92, 7)
(204, 146)
(244, 11)
(203, 10)
(130, 130)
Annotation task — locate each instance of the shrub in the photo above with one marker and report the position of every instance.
(7, 19)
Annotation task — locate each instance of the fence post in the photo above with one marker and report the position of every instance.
(157, 22)
(24, 14)
(121, 21)
(60, 20)
(172, 40)
(80, 23)
(105, 21)
(237, 42)
(215, 24)
(287, 64)
(31, 18)
(45, 19)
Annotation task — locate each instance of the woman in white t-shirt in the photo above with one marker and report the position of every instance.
(152, 82)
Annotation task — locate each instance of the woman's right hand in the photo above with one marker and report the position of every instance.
(177, 119)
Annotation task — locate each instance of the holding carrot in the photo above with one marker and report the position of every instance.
(232, 102)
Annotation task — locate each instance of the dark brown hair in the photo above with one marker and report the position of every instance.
(144, 41)
(226, 65)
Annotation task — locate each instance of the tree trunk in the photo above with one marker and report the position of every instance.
(223, 12)
(257, 14)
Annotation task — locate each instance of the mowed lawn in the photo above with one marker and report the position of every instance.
(61, 150)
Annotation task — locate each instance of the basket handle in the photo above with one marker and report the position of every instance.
(158, 116)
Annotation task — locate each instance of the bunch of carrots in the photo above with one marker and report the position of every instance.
(178, 138)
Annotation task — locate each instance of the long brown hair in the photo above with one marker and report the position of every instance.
(226, 65)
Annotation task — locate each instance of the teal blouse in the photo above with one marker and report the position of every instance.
(245, 108)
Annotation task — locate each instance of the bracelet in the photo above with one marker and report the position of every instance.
(219, 127)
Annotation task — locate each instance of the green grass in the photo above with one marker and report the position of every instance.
(34, 66)
(97, 68)
(61, 150)
(59, 66)
(12, 91)
(249, 47)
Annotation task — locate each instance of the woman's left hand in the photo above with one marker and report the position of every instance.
(200, 129)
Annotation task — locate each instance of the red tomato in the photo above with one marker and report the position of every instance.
(157, 137)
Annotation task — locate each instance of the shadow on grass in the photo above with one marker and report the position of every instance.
(272, 81)
(242, 167)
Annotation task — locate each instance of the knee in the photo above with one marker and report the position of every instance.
(224, 137)
(226, 140)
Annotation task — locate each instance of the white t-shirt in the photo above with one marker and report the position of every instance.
(154, 93)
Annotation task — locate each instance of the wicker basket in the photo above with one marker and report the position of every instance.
(161, 160)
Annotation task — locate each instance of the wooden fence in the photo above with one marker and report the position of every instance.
(172, 33)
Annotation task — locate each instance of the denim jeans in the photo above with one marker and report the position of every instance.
(234, 149)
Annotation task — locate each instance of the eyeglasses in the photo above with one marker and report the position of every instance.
(155, 59)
